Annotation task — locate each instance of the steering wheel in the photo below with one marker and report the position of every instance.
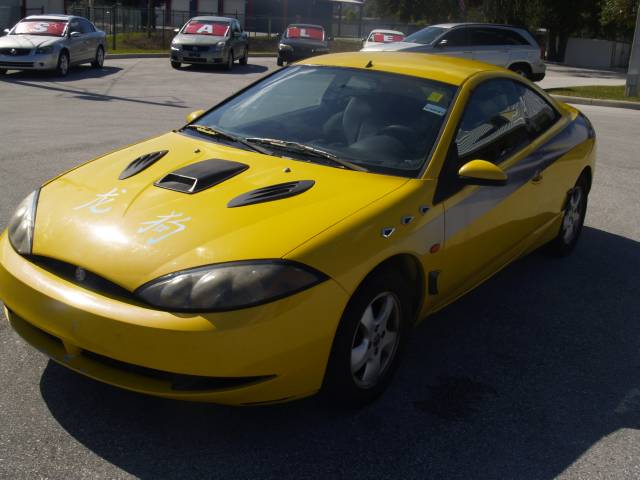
(408, 136)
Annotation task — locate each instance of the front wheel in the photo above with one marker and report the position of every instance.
(176, 65)
(370, 339)
(245, 58)
(98, 61)
(572, 219)
(63, 64)
(229, 64)
(280, 62)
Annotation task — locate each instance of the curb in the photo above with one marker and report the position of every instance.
(116, 56)
(598, 102)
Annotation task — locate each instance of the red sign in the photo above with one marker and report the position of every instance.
(305, 32)
(386, 38)
(40, 27)
(208, 28)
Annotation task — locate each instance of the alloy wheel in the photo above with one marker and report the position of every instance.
(572, 216)
(375, 340)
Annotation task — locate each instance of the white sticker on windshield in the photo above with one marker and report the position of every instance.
(438, 110)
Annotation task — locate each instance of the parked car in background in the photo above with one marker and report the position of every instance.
(51, 42)
(379, 36)
(301, 41)
(504, 45)
(210, 40)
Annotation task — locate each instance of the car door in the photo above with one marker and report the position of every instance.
(487, 226)
(236, 39)
(454, 43)
(489, 45)
(77, 48)
(90, 39)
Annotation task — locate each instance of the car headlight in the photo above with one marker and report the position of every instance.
(48, 49)
(229, 286)
(22, 223)
(220, 44)
(283, 46)
(176, 46)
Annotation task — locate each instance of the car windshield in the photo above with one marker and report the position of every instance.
(50, 28)
(380, 122)
(206, 27)
(311, 33)
(426, 36)
(385, 37)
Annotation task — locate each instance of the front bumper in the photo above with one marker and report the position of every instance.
(294, 55)
(282, 346)
(208, 57)
(47, 61)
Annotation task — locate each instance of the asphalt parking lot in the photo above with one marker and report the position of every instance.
(534, 375)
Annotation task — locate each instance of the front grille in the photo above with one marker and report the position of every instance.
(82, 278)
(195, 48)
(178, 381)
(15, 51)
(195, 60)
(16, 64)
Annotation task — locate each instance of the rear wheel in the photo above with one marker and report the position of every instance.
(98, 62)
(572, 219)
(63, 64)
(280, 62)
(521, 69)
(176, 65)
(370, 339)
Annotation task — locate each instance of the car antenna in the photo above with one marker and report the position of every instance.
(369, 65)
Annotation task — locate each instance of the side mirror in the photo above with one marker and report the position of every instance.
(74, 34)
(194, 115)
(176, 30)
(442, 43)
(481, 172)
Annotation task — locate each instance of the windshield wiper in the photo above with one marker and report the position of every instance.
(307, 150)
(214, 132)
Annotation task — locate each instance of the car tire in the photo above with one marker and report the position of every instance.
(370, 339)
(572, 219)
(280, 62)
(98, 62)
(176, 65)
(521, 69)
(3, 71)
(63, 64)
(245, 58)
(229, 64)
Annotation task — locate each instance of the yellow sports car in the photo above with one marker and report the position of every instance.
(286, 240)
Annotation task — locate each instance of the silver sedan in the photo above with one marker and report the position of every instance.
(51, 42)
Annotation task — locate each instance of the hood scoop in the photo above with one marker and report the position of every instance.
(273, 192)
(200, 176)
(140, 163)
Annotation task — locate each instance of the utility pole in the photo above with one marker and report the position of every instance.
(633, 74)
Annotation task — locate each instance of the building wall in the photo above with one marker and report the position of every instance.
(595, 53)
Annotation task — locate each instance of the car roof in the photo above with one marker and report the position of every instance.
(305, 25)
(441, 68)
(53, 16)
(382, 30)
(477, 24)
(212, 18)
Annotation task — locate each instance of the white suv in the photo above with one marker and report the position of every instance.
(503, 45)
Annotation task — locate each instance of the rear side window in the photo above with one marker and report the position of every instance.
(514, 38)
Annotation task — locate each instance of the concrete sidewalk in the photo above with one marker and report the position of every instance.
(566, 76)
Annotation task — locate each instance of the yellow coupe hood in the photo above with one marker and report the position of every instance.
(131, 231)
